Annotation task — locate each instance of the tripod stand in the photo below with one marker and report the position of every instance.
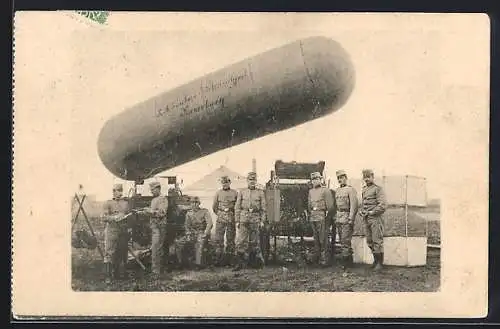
(75, 219)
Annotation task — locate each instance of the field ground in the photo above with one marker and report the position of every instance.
(88, 276)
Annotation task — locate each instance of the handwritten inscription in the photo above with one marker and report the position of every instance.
(212, 86)
(197, 102)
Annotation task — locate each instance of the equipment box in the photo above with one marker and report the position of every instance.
(286, 197)
(405, 230)
(398, 251)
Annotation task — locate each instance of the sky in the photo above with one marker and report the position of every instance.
(400, 119)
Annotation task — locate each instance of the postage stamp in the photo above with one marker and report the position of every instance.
(250, 165)
(95, 15)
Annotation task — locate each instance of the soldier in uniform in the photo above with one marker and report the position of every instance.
(320, 202)
(346, 202)
(373, 205)
(116, 234)
(175, 221)
(198, 225)
(223, 207)
(250, 216)
(158, 222)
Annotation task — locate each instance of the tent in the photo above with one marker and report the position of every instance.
(206, 187)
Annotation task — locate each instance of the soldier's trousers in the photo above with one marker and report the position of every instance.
(265, 242)
(225, 226)
(115, 243)
(344, 230)
(374, 231)
(248, 240)
(157, 240)
(169, 242)
(193, 245)
(321, 245)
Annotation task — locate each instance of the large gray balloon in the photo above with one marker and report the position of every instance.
(267, 93)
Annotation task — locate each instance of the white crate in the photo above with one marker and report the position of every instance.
(398, 251)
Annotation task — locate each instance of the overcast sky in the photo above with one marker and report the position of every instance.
(400, 118)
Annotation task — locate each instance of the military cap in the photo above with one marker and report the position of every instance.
(252, 175)
(118, 187)
(340, 173)
(153, 185)
(195, 199)
(367, 172)
(315, 175)
(225, 179)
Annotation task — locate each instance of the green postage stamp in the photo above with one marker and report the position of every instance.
(97, 16)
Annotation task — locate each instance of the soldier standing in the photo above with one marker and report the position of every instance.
(373, 205)
(320, 202)
(158, 222)
(346, 202)
(223, 207)
(198, 225)
(116, 234)
(250, 216)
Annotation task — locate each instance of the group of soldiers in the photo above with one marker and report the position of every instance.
(340, 208)
(245, 211)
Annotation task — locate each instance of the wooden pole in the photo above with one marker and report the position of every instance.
(87, 220)
(425, 202)
(406, 206)
(80, 207)
(406, 219)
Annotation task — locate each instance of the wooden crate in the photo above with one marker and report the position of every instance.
(398, 251)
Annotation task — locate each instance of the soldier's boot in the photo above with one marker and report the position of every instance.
(380, 261)
(226, 259)
(375, 260)
(234, 259)
(343, 262)
(155, 278)
(218, 258)
(116, 271)
(349, 261)
(260, 262)
(323, 259)
(239, 263)
(108, 272)
(376, 257)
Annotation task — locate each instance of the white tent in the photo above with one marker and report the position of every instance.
(206, 187)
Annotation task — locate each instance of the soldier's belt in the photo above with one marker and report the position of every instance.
(343, 210)
(226, 209)
(252, 210)
(318, 209)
